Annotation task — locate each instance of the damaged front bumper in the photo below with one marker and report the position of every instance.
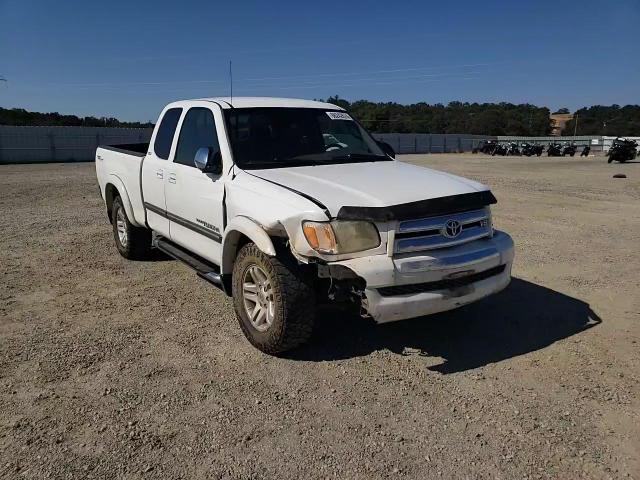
(429, 282)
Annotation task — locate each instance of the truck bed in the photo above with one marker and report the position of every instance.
(119, 167)
(137, 149)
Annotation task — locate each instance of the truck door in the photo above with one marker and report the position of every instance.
(154, 172)
(194, 198)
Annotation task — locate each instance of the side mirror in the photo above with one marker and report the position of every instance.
(208, 160)
(386, 148)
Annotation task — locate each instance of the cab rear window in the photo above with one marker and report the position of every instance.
(166, 131)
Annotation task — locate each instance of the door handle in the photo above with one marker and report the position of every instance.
(172, 178)
(159, 174)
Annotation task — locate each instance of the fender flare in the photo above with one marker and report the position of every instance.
(235, 229)
(124, 195)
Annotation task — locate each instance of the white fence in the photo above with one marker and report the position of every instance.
(69, 144)
(431, 142)
(62, 144)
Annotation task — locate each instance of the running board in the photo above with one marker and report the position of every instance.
(204, 268)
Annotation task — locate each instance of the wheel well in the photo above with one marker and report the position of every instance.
(278, 242)
(110, 194)
(227, 278)
(241, 240)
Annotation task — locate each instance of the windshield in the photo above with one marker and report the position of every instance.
(295, 137)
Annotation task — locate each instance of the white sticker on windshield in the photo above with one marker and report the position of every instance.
(339, 116)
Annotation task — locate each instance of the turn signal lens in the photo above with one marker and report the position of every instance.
(341, 236)
(320, 236)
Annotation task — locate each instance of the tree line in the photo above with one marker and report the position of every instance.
(22, 117)
(455, 117)
(610, 121)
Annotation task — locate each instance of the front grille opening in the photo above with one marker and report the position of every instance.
(436, 231)
(429, 233)
(446, 284)
(422, 233)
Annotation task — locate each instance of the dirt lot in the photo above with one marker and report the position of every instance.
(119, 369)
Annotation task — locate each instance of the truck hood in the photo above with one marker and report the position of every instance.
(370, 184)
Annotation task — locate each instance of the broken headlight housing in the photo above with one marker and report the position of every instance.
(341, 236)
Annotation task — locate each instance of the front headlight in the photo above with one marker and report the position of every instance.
(339, 237)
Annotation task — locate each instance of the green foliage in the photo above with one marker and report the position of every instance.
(563, 110)
(19, 116)
(456, 117)
(601, 120)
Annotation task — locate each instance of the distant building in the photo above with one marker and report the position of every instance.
(558, 121)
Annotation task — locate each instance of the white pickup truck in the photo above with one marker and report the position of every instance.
(286, 204)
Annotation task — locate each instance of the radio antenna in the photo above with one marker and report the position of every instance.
(231, 80)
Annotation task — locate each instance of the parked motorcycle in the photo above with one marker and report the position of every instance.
(569, 149)
(526, 149)
(622, 150)
(512, 149)
(500, 149)
(530, 149)
(554, 150)
(486, 146)
(585, 151)
(538, 149)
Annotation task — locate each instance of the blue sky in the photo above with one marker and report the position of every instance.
(128, 59)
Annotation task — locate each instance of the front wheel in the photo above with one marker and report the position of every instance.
(274, 301)
(132, 242)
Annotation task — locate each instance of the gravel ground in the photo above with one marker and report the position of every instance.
(119, 369)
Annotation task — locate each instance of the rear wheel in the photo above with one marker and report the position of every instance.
(132, 242)
(273, 300)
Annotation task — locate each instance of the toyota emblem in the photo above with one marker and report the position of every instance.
(452, 228)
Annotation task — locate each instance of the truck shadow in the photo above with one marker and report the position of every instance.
(523, 318)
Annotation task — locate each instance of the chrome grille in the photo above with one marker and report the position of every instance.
(429, 233)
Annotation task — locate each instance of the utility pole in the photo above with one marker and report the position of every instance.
(575, 127)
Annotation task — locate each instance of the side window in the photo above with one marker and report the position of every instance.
(198, 130)
(166, 130)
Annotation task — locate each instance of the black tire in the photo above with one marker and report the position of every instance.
(293, 297)
(609, 159)
(137, 244)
